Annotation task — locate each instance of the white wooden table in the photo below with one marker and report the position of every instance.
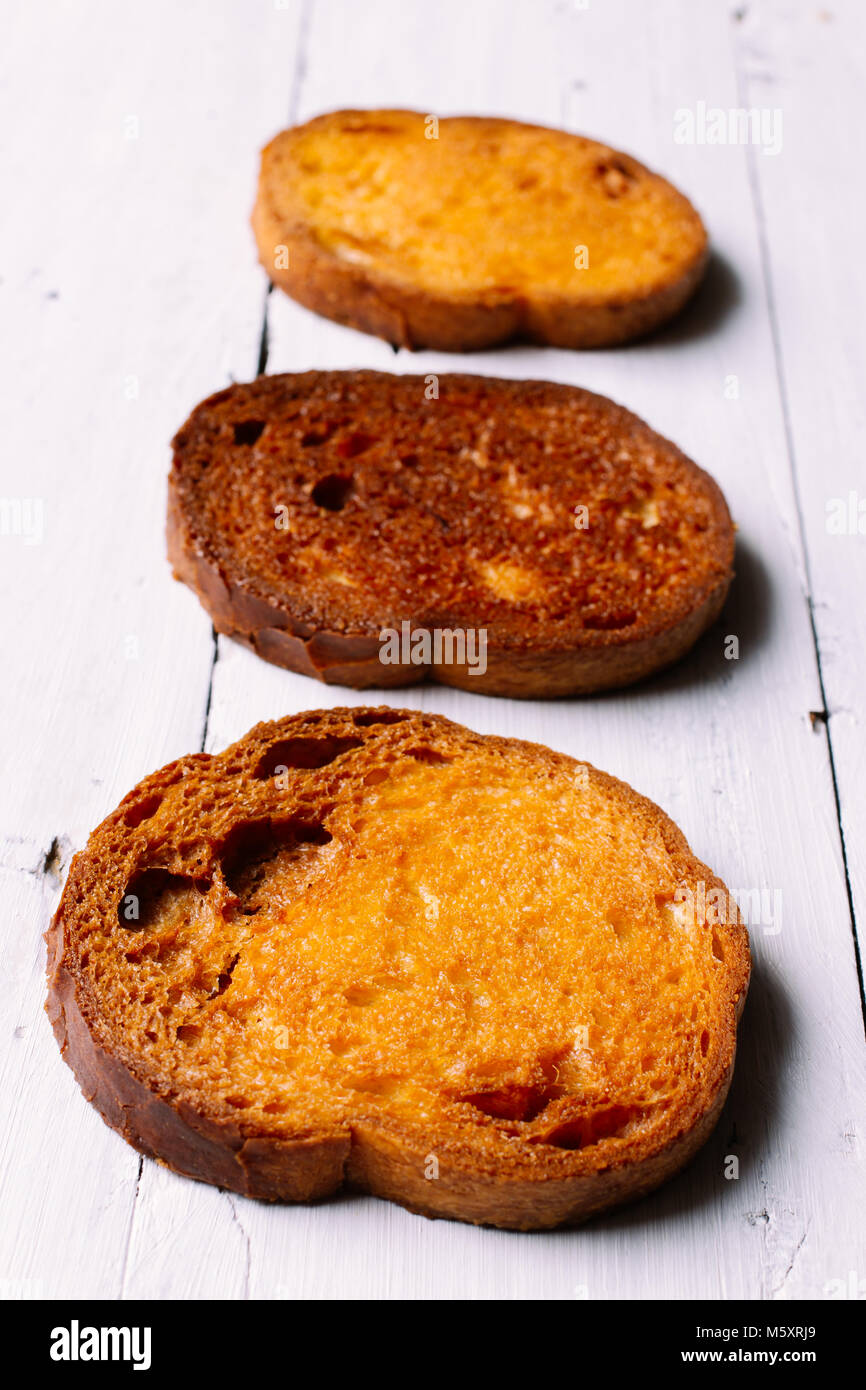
(130, 289)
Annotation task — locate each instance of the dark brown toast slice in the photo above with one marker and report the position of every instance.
(315, 514)
(367, 946)
(464, 232)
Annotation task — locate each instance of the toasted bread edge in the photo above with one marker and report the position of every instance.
(336, 658)
(384, 1160)
(416, 319)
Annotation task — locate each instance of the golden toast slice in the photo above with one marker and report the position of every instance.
(468, 231)
(341, 523)
(370, 947)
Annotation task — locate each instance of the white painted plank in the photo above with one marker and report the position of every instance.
(809, 64)
(129, 291)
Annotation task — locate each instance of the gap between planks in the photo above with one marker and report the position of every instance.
(297, 81)
(261, 367)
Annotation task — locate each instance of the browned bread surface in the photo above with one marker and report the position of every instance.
(368, 946)
(312, 512)
(489, 231)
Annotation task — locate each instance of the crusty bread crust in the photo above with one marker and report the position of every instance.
(389, 305)
(484, 1176)
(556, 445)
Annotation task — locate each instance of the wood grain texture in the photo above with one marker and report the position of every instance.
(815, 282)
(148, 248)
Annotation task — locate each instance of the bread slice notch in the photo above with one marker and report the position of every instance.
(370, 947)
(325, 518)
(464, 232)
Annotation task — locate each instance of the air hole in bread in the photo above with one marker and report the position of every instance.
(224, 979)
(152, 895)
(354, 444)
(302, 753)
(705, 1043)
(718, 950)
(427, 755)
(332, 492)
(616, 178)
(580, 1133)
(375, 776)
(610, 622)
(248, 431)
(142, 810)
(513, 1102)
(366, 718)
(622, 922)
(188, 1033)
(256, 853)
(313, 438)
(360, 996)
(375, 1085)
(409, 460)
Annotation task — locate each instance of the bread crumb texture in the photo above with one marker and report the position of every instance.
(349, 502)
(487, 206)
(362, 918)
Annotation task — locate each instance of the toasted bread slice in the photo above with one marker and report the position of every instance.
(371, 947)
(469, 231)
(318, 515)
